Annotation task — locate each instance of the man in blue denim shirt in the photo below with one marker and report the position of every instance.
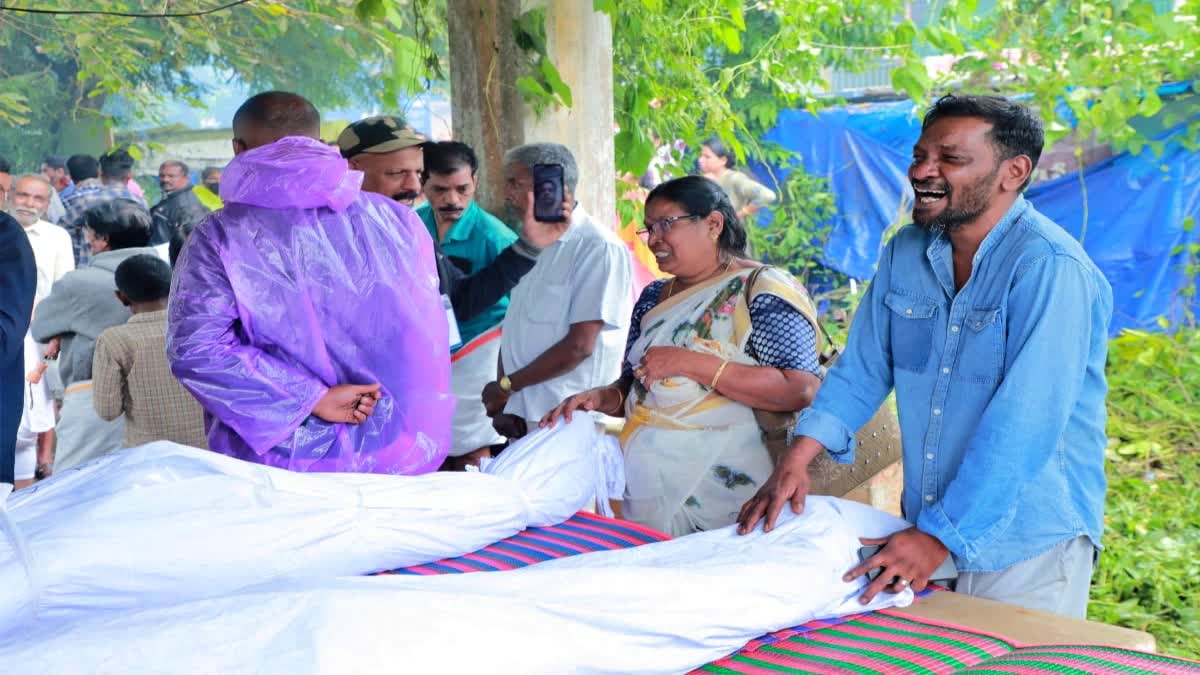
(991, 323)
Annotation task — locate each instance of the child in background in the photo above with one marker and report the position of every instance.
(130, 371)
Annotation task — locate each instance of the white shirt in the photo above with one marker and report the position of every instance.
(584, 276)
(53, 254)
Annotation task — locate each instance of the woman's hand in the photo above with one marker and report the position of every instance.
(659, 363)
(605, 399)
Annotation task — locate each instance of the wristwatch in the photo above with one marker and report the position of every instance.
(505, 385)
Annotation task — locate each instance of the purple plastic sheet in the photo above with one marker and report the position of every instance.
(300, 283)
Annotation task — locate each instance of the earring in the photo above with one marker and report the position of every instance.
(715, 236)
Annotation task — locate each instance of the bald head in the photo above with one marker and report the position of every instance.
(267, 117)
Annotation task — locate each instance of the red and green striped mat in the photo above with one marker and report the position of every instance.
(878, 642)
(885, 642)
(582, 533)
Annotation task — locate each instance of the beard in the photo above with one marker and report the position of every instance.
(975, 199)
(25, 217)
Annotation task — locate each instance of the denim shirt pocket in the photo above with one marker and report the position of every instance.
(982, 352)
(912, 330)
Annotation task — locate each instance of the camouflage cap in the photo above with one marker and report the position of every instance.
(377, 135)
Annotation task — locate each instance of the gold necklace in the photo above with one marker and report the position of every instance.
(671, 283)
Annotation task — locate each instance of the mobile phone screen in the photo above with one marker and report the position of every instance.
(548, 193)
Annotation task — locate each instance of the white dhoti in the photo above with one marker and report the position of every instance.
(471, 368)
(37, 415)
(82, 435)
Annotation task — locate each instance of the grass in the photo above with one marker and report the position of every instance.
(1149, 573)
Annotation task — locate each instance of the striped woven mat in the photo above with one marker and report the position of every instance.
(878, 642)
(886, 642)
(582, 533)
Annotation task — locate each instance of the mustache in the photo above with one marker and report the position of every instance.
(931, 186)
(451, 209)
(406, 196)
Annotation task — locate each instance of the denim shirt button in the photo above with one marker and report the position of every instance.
(929, 455)
(928, 498)
(937, 411)
(953, 329)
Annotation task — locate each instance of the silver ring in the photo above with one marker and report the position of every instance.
(902, 582)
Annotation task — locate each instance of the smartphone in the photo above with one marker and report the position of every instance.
(947, 571)
(548, 193)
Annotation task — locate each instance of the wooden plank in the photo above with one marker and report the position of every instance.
(1026, 626)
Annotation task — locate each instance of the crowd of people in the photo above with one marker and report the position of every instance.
(301, 313)
(84, 216)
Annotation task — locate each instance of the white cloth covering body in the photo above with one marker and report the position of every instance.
(165, 523)
(660, 608)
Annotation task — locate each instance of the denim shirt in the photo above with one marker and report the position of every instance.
(999, 386)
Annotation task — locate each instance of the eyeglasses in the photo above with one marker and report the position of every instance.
(662, 227)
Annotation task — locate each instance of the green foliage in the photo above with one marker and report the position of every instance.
(800, 228)
(1186, 296)
(1154, 395)
(691, 69)
(1107, 59)
(56, 72)
(1149, 573)
(542, 85)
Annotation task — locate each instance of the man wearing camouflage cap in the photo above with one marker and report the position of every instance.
(391, 156)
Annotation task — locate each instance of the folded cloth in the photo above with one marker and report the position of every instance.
(660, 608)
(165, 523)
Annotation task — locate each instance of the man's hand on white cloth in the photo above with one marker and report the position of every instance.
(788, 483)
(606, 399)
(908, 558)
(348, 403)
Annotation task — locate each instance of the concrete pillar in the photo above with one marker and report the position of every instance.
(489, 114)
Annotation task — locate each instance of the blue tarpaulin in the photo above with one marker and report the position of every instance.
(1137, 205)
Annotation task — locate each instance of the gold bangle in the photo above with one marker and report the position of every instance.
(621, 394)
(716, 377)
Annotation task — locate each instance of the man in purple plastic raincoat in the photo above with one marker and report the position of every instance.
(305, 315)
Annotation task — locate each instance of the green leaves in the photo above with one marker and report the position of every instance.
(965, 11)
(608, 7)
(730, 37)
(554, 82)
(912, 79)
(542, 86)
(370, 10)
(634, 150)
(1151, 574)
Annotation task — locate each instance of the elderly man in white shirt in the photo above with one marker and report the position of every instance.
(568, 317)
(27, 203)
(54, 256)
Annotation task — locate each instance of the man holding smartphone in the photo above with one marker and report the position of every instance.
(991, 324)
(391, 157)
(566, 324)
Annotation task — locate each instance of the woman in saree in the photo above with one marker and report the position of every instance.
(699, 360)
